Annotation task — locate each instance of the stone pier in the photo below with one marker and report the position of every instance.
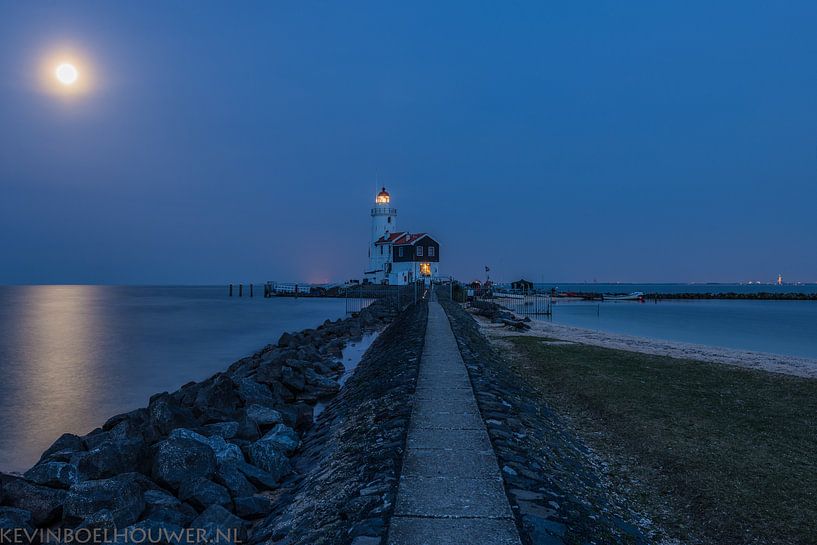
(450, 488)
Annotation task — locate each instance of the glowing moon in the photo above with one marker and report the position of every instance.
(66, 73)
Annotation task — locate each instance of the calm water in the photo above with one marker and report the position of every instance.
(779, 327)
(72, 356)
(680, 288)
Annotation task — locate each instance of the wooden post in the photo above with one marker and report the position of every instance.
(250, 290)
(241, 290)
(231, 290)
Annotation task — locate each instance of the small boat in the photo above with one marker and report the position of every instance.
(634, 296)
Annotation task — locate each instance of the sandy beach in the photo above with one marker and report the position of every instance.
(774, 363)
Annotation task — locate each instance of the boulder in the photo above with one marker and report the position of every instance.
(186, 395)
(227, 430)
(309, 352)
(113, 456)
(257, 476)
(252, 392)
(67, 442)
(321, 386)
(201, 493)
(268, 374)
(167, 414)
(44, 504)
(219, 392)
(218, 523)
(53, 474)
(286, 340)
(284, 438)
(263, 416)
(160, 498)
(223, 450)
(269, 457)
(121, 495)
(172, 517)
(233, 480)
(138, 419)
(247, 429)
(178, 460)
(101, 520)
(94, 438)
(250, 507)
(299, 416)
(12, 517)
(293, 379)
(282, 392)
(162, 507)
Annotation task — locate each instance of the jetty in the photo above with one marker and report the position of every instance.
(450, 485)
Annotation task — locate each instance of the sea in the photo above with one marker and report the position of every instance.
(777, 327)
(73, 356)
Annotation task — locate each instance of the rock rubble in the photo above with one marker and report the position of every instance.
(212, 455)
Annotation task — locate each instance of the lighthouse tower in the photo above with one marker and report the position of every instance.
(384, 223)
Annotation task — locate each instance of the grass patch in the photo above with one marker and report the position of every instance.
(722, 453)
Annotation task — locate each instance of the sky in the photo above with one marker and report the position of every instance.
(216, 142)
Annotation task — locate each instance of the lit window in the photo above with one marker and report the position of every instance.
(419, 251)
(425, 269)
(431, 251)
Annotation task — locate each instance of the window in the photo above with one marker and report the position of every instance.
(381, 250)
(431, 251)
(400, 252)
(419, 251)
(388, 220)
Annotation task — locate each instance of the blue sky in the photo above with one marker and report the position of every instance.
(635, 141)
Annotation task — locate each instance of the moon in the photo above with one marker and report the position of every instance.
(66, 73)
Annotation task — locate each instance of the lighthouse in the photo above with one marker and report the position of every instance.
(398, 257)
(384, 223)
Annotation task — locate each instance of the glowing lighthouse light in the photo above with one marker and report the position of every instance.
(382, 197)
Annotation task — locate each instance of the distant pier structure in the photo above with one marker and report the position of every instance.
(271, 289)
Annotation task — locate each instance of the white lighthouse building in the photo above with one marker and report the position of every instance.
(384, 222)
(398, 257)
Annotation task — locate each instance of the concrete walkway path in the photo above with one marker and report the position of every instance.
(450, 488)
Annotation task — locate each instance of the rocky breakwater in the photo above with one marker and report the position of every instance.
(499, 315)
(209, 456)
(556, 487)
(344, 483)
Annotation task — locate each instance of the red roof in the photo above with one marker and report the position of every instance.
(403, 238)
(409, 238)
(391, 237)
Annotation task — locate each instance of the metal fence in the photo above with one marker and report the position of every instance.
(362, 295)
(523, 303)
